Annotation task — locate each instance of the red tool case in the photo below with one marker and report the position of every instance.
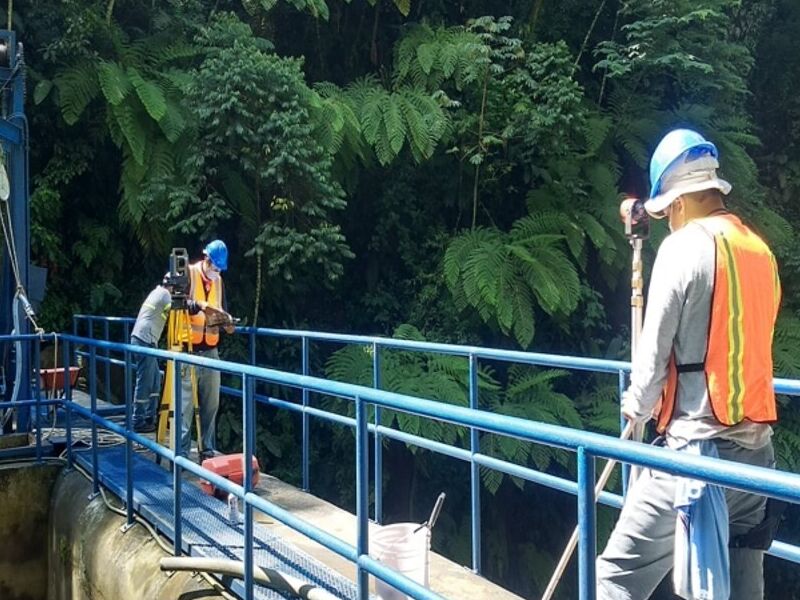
(229, 466)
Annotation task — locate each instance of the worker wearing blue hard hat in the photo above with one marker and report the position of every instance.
(217, 254)
(683, 163)
(714, 292)
(208, 313)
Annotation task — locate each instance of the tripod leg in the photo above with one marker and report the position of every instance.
(197, 421)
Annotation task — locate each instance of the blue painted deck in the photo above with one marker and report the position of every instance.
(206, 529)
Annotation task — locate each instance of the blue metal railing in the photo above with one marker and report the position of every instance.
(473, 456)
(472, 353)
(587, 445)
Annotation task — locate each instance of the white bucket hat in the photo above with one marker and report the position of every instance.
(686, 175)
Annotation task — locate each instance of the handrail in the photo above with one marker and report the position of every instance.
(748, 478)
(732, 474)
(786, 386)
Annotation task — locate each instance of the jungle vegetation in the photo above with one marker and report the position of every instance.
(446, 170)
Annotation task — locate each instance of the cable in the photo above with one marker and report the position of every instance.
(83, 435)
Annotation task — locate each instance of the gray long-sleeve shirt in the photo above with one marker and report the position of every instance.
(152, 316)
(677, 318)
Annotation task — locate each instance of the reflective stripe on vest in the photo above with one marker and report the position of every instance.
(201, 333)
(744, 305)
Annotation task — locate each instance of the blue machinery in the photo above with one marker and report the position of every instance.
(587, 445)
(15, 211)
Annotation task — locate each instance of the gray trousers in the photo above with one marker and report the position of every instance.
(148, 385)
(640, 551)
(207, 401)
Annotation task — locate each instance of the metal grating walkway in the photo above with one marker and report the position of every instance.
(206, 529)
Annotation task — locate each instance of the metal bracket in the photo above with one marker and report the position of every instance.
(92, 496)
(127, 526)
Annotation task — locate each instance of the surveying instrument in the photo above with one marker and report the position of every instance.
(637, 229)
(179, 339)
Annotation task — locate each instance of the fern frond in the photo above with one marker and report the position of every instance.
(394, 123)
(150, 94)
(522, 306)
(113, 81)
(131, 129)
(77, 87)
(172, 124)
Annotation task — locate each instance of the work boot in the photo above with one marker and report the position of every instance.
(205, 455)
(146, 427)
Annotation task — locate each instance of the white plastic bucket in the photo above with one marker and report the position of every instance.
(398, 547)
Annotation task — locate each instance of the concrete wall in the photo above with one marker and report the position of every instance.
(25, 490)
(91, 558)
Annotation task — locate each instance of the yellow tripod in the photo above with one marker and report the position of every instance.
(179, 336)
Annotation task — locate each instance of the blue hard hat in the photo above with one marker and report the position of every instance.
(217, 252)
(674, 145)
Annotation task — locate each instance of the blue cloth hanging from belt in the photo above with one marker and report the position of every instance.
(702, 565)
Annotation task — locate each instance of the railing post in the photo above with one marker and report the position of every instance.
(253, 348)
(126, 330)
(248, 427)
(362, 495)
(90, 335)
(177, 428)
(37, 360)
(128, 444)
(306, 450)
(93, 405)
(376, 383)
(67, 363)
(622, 383)
(107, 337)
(475, 475)
(587, 538)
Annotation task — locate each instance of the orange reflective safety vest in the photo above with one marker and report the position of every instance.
(744, 305)
(206, 291)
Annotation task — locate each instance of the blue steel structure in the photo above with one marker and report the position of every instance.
(14, 141)
(587, 445)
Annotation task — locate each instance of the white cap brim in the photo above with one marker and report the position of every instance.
(655, 206)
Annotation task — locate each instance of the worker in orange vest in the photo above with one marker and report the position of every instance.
(206, 295)
(703, 370)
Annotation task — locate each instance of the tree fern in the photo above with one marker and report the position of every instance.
(77, 87)
(135, 85)
(426, 57)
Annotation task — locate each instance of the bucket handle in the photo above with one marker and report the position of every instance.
(437, 508)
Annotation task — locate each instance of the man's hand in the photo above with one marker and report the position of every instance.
(229, 328)
(628, 408)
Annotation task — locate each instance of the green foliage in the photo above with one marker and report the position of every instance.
(681, 39)
(256, 159)
(367, 115)
(483, 157)
(316, 8)
(785, 344)
(430, 376)
(426, 57)
(135, 86)
(505, 277)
